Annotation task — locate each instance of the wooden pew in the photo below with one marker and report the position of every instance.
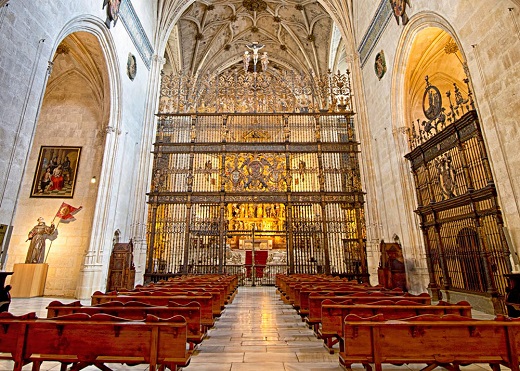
(83, 340)
(12, 337)
(333, 314)
(229, 281)
(226, 293)
(339, 290)
(219, 293)
(448, 341)
(315, 301)
(137, 311)
(217, 302)
(206, 302)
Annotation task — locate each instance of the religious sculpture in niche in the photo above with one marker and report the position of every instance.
(399, 9)
(112, 11)
(380, 65)
(131, 66)
(446, 175)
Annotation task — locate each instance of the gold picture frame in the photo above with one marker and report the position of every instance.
(56, 172)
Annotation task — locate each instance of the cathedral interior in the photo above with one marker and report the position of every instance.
(261, 137)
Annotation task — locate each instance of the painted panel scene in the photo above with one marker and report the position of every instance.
(55, 174)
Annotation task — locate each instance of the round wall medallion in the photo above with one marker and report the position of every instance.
(131, 66)
(380, 65)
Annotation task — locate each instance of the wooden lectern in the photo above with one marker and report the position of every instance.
(28, 280)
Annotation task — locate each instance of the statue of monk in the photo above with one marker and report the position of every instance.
(37, 236)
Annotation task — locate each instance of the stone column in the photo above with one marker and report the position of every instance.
(140, 215)
(91, 277)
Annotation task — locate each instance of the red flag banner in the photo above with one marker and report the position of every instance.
(66, 211)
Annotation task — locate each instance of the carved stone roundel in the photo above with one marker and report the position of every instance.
(254, 5)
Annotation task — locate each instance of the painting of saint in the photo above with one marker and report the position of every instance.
(56, 170)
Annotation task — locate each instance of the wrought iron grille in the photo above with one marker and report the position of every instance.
(292, 179)
(235, 90)
(460, 216)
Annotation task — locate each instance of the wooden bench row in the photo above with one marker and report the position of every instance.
(447, 341)
(333, 314)
(402, 328)
(159, 325)
(81, 340)
(134, 310)
(316, 300)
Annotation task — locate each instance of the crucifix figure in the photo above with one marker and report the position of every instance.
(255, 47)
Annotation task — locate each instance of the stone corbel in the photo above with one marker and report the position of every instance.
(403, 130)
(50, 65)
(111, 129)
(158, 59)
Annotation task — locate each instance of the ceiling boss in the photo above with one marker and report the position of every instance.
(254, 5)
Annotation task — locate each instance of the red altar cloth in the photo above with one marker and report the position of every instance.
(260, 261)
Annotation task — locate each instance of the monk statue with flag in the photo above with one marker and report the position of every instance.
(41, 232)
(37, 236)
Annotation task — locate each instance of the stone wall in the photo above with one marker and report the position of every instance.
(110, 135)
(491, 57)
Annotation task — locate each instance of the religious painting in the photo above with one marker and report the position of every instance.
(112, 11)
(399, 9)
(131, 66)
(380, 65)
(56, 172)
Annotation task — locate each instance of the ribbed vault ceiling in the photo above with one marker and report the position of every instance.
(211, 36)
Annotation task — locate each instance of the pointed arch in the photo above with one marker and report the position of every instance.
(91, 277)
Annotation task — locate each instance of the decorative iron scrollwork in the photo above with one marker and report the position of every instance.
(439, 117)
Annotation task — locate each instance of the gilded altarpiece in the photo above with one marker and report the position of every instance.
(225, 184)
(281, 189)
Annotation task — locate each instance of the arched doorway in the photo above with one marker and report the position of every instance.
(70, 134)
(468, 256)
(461, 221)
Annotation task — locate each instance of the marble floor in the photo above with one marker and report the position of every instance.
(257, 332)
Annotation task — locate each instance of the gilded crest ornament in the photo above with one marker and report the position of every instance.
(112, 11)
(255, 172)
(432, 101)
(399, 9)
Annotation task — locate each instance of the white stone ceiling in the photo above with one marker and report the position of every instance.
(211, 36)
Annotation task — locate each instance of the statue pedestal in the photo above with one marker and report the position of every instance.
(28, 280)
